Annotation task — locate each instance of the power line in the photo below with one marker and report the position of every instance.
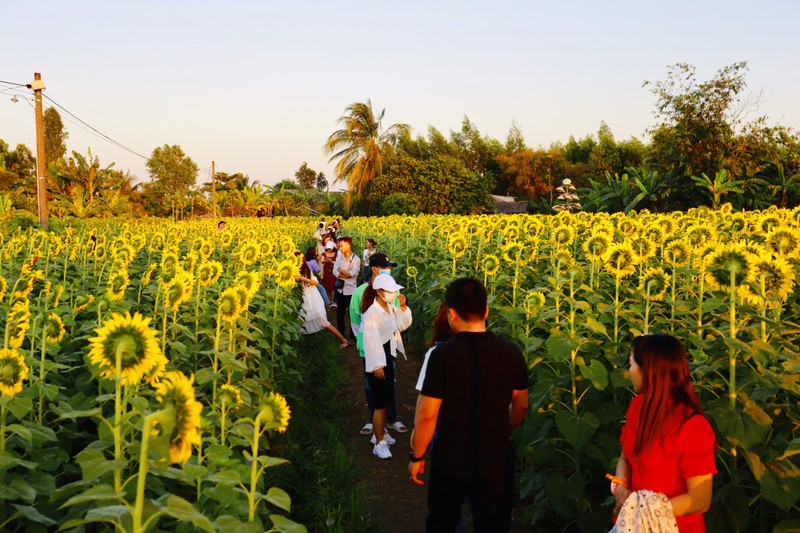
(134, 152)
(12, 83)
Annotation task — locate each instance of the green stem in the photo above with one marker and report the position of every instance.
(138, 508)
(118, 420)
(251, 495)
(3, 427)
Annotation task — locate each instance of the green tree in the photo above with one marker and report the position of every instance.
(55, 136)
(515, 142)
(174, 174)
(718, 187)
(306, 177)
(532, 173)
(360, 147)
(322, 182)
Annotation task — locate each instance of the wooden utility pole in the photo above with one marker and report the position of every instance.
(214, 189)
(41, 178)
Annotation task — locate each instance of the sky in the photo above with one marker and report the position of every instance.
(258, 86)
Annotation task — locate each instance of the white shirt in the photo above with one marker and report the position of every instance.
(379, 327)
(421, 379)
(352, 266)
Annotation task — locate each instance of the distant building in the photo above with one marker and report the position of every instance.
(506, 205)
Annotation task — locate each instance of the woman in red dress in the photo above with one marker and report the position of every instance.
(667, 444)
(328, 278)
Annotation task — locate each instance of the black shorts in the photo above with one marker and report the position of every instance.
(383, 389)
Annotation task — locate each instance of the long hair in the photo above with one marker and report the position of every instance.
(368, 298)
(305, 271)
(666, 388)
(441, 327)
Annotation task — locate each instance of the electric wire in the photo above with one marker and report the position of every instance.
(106, 137)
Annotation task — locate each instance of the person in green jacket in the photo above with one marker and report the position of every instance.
(379, 263)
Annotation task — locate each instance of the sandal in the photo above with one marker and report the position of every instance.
(367, 429)
(398, 426)
(343, 345)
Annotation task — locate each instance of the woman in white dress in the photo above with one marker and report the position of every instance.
(313, 312)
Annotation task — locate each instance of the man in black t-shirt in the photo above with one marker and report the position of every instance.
(474, 394)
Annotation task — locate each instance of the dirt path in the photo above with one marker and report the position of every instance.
(396, 504)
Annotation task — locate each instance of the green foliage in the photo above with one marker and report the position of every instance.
(55, 136)
(718, 187)
(172, 175)
(306, 177)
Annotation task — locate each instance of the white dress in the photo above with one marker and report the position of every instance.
(313, 312)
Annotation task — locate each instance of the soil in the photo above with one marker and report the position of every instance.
(394, 502)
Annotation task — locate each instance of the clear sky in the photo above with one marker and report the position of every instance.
(258, 86)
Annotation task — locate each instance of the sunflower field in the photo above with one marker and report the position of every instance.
(142, 362)
(140, 375)
(574, 290)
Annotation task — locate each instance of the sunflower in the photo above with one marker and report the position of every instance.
(123, 254)
(512, 252)
(53, 328)
(100, 251)
(13, 371)
(26, 286)
(208, 273)
(287, 246)
(700, 234)
(230, 394)
(275, 412)
(655, 233)
(626, 226)
(251, 282)
(645, 249)
(228, 305)
(782, 241)
(156, 242)
(178, 290)
(730, 262)
(82, 302)
(3, 287)
(267, 247)
(169, 265)
(655, 282)
(596, 245)
(248, 253)
(131, 339)
(563, 259)
(175, 393)
(226, 239)
(563, 235)
(778, 279)
(286, 273)
(411, 271)
(534, 301)
(206, 249)
(532, 226)
(148, 275)
(491, 264)
(767, 222)
(620, 260)
(511, 233)
(57, 294)
(18, 323)
(677, 252)
(457, 245)
(117, 283)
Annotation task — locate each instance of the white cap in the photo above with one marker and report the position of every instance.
(329, 246)
(386, 282)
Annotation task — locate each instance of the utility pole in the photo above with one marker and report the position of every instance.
(41, 179)
(214, 189)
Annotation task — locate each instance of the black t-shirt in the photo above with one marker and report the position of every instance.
(474, 375)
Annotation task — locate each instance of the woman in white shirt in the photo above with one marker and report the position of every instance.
(381, 325)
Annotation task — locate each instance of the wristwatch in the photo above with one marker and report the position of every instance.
(415, 459)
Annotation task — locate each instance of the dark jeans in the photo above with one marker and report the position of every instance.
(489, 488)
(392, 414)
(343, 310)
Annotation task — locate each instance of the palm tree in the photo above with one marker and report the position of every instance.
(360, 147)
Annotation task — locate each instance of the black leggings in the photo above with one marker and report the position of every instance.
(342, 310)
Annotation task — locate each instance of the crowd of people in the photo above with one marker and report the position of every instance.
(473, 392)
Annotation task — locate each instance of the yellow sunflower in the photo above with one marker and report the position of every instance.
(512, 252)
(249, 253)
(644, 248)
(620, 260)
(730, 262)
(228, 305)
(175, 394)
(286, 273)
(117, 284)
(156, 242)
(208, 273)
(287, 246)
(411, 271)
(3, 287)
(148, 275)
(767, 222)
(100, 251)
(596, 245)
(251, 282)
(491, 264)
(563, 259)
(18, 323)
(655, 282)
(82, 302)
(457, 245)
(678, 252)
(178, 290)
(54, 328)
(275, 412)
(131, 339)
(778, 280)
(226, 239)
(700, 234)
(13, 371)
(533, 304)
(230, 394)
(782, 241)
(563, 235)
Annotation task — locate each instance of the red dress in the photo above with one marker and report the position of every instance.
(665, 465)
(328, 278)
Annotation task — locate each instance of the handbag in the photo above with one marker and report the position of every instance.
(339, 284)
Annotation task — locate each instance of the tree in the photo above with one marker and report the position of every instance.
(306, 177)
(515, 142)
(360, 147)
(532, 173)
(55, 136)
(173, 174)
(718, 187)
(322, 182)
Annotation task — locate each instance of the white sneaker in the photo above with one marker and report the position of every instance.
(388, 438)
(382, 450)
